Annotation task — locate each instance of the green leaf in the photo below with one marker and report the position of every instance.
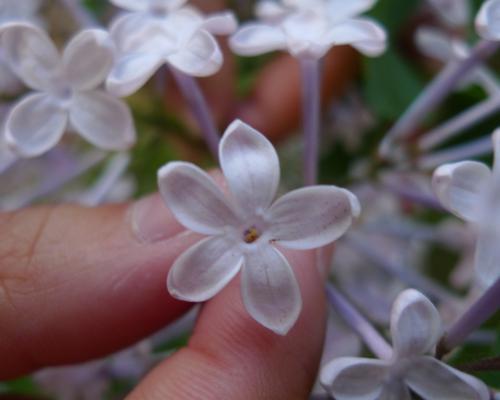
(391, 85)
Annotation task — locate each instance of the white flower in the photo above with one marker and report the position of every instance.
(158, 33)
(471, 191)
(455, 13)
(244, 230)
(67, 94)
(415, 329)
(14, 10)
(308, 29)
(488, 20)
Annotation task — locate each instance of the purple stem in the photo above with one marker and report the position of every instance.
(198, 104)
(484, 308)
(432, 96)
(311, 98)
(405, 274)
(352, 317)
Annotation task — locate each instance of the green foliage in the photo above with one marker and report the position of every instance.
(391, 84)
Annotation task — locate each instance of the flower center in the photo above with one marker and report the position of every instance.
(251, 235)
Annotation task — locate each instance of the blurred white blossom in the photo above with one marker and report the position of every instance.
(488, 20)
(244, 229)
(157, 32)
(454, 13)
(416, 329)
(308, 29)
(471, 191)
(67, 94)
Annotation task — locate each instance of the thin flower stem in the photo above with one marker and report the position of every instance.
(114, 171)
(475, 148)
(482, 310)
(405, 274)
(311, 98)
(459, 123)
(198, 104)
(84, 18)
(437, 90)
(352, 317)
(412, 195)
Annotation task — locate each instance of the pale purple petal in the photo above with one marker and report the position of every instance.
(270, 290)
(487, 257)
(132, 72)
(88, 59)
(415, 324)
(270, 10)
(350, 378)
(340, 10)
(222, 23)
(250, 165)
(35, 125)
(103, 120)
(460, 187)
(311, 217)
(432, 379)
(434, 43)
(194, 199)
(132, 5)
(142, 33)
(200, 56)
(455, 12)
(363, 34)
(488, 20)
(31, 55)
(254, 39)
(204, 269)
(395, 389)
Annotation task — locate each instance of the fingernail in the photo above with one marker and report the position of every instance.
(152, 221)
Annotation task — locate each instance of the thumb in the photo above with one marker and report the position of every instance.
(230, 356)
(78, 283)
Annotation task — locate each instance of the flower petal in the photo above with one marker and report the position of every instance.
(200, 56)
(35, 125)
(350, 378)
(88, 59)
(194, 199)
(103, 120)
(488, 20)
(415, 324)
(31, 55)
(253, 39)
(311, 217)
(204, 269)
(269, 289)
(460, 187)
(432, 379)
(270, 10)
(132, 5)
(131, 73)
(455, 12)
(487, 257)
(363, 34)
(339, 10)
(250, 165)
(435, 44)
(222, 23)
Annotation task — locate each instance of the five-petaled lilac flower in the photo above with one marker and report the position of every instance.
(67, 91)
(308, 29)
(471, 191)
(245, 228)
(416, 329)
(488, 20)
(157, 32)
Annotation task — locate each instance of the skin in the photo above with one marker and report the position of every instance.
(77, 284)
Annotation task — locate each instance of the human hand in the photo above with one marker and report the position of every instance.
(77, 284)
